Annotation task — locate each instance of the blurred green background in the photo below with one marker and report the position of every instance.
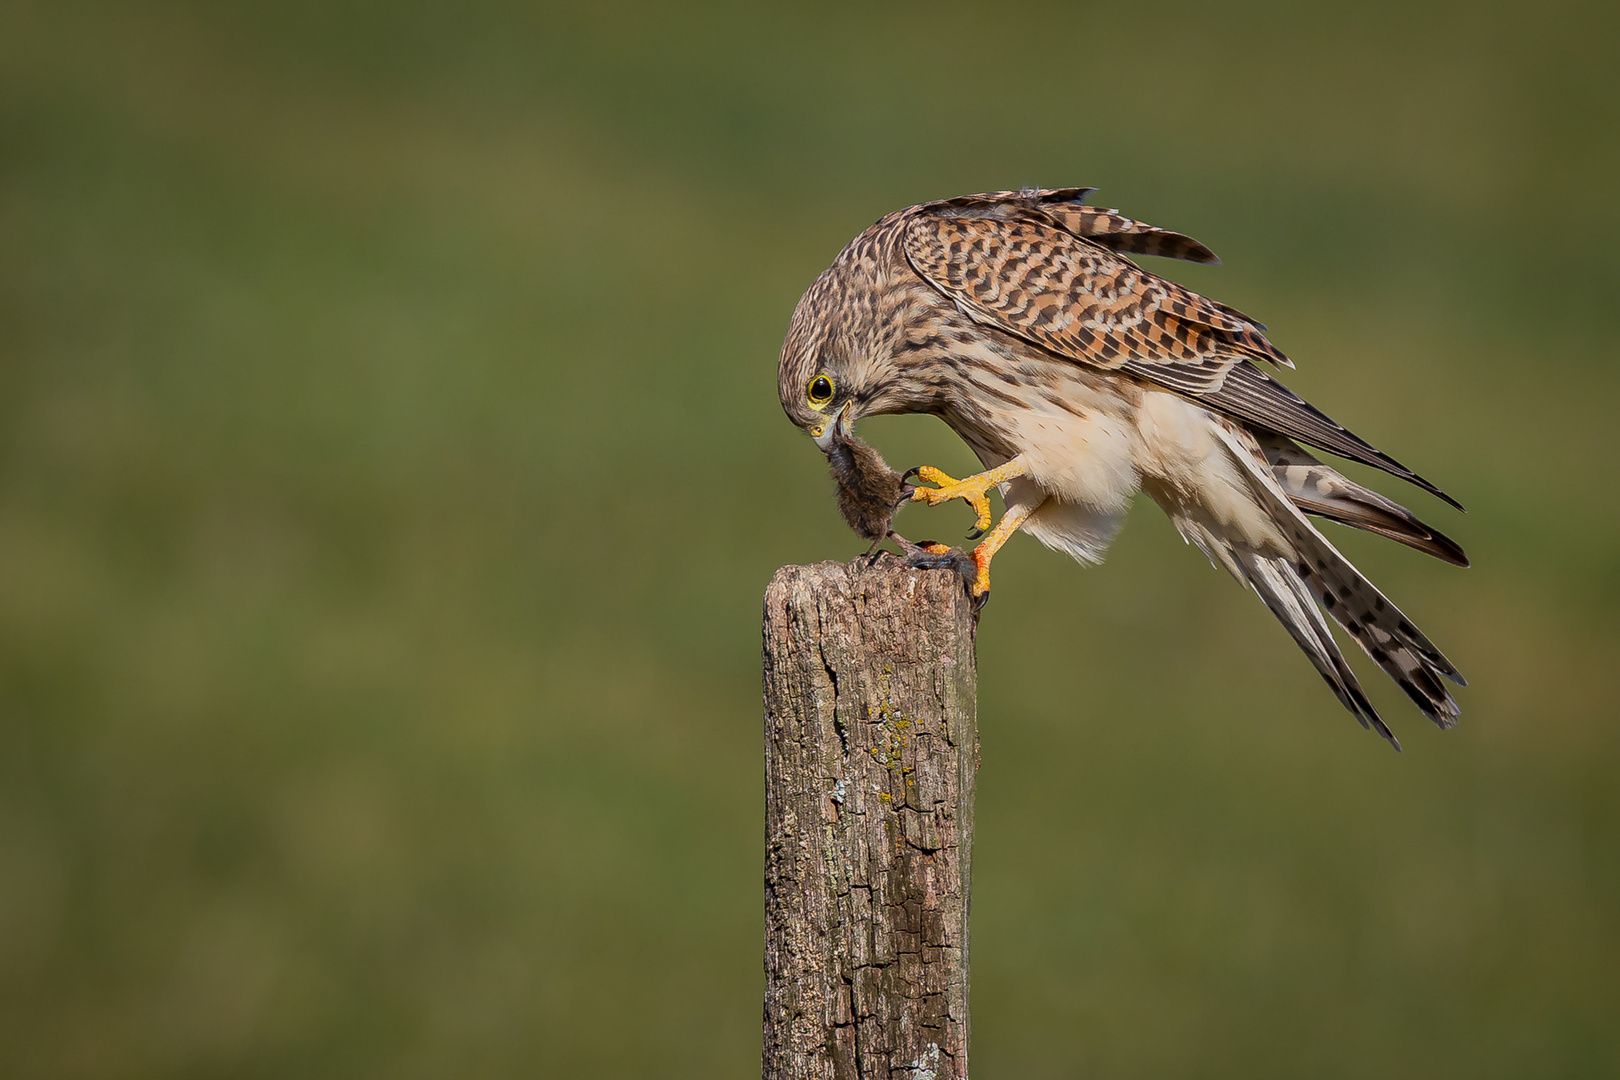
(391, 468)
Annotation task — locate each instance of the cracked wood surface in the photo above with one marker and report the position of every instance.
(871, 746)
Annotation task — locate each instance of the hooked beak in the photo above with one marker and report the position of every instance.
(831, 428)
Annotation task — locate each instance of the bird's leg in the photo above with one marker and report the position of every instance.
(979, 587)
(972, 566)
(971, 489)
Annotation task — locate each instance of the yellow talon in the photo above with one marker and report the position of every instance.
(972, 490)
(969, 490)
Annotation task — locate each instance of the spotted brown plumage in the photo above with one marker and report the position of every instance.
(1078, 378)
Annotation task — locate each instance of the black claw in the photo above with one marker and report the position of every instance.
(953, 559)
(920, 558)
(974, 534)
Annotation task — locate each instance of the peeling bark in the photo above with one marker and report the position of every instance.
(871, 746)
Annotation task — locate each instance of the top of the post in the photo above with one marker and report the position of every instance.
(881, 585)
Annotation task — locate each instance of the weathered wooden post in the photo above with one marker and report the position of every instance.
(871, 746)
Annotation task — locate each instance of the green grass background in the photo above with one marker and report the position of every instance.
(391, 468)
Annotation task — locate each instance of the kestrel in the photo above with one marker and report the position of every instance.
(1079, 378)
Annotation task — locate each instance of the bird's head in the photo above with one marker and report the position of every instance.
(837, 360)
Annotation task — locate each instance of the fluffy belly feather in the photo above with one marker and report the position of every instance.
(1090, 451)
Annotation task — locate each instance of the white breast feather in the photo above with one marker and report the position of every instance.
(1092, 466)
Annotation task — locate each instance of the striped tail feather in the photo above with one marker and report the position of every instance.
(1382, 629)
(1279, 586)
(1324, 491)
(1319, 572)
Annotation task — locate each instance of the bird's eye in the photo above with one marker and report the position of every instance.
(821, 390)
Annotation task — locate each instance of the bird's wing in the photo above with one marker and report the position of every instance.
(1070, 296)
(1065, 208)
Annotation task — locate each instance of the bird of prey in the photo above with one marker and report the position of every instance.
(1078, 378)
